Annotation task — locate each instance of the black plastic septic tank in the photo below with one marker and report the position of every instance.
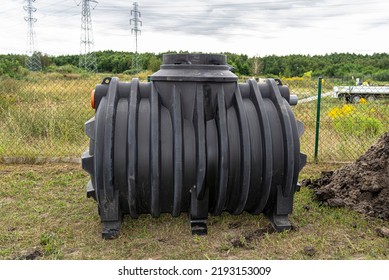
(193, 140)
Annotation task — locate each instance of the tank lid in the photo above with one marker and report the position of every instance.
(194, 68)
(197, 59)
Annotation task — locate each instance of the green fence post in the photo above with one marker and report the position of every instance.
(318, 118)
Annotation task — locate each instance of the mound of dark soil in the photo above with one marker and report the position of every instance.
(362, 185)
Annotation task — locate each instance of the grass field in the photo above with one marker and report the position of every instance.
(44, 114)
(46, 215)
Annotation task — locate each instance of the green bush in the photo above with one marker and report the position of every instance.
(65, 69)
(382, 75)
(12, 68)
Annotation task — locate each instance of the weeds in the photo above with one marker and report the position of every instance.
(51, 244)
(357, 120)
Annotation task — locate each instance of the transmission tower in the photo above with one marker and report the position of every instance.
(135, 30)
(34, 60)
(87, 56)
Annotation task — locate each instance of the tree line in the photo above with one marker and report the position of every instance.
(375, 66)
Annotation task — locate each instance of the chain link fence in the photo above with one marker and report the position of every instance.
(42, 116)
(350, 118)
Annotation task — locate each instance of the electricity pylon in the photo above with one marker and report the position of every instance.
(87, 56)
(34, 61)
(135, 30)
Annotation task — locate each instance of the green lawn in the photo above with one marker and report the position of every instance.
(46, 215)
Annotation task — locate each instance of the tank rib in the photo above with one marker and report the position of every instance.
(287, 135)
(222, 179)
(177, 151)
(120, 147)
(99, 149)
(155, 159)
(108, 138)
(245, 163)
(132, 146)
(201, 156)
(267, 146)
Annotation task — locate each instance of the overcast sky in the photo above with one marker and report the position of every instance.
(262, 27)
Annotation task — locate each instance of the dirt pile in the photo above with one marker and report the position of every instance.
(362, 185)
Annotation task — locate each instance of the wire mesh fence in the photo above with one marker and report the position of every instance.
(43, 115)
(350, 121)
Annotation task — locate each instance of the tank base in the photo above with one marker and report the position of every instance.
(111, 230)
(199, 227)
(279, 222)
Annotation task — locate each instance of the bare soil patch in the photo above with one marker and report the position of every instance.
(362, 185)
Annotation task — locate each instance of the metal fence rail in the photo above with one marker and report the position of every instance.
(42, 117)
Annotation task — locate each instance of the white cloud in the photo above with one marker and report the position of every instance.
(253, 27)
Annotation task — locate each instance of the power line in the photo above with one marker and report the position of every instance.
(87, 56)
(34, 61)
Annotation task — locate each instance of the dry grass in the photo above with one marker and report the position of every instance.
(44, 114)
(45, 215)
